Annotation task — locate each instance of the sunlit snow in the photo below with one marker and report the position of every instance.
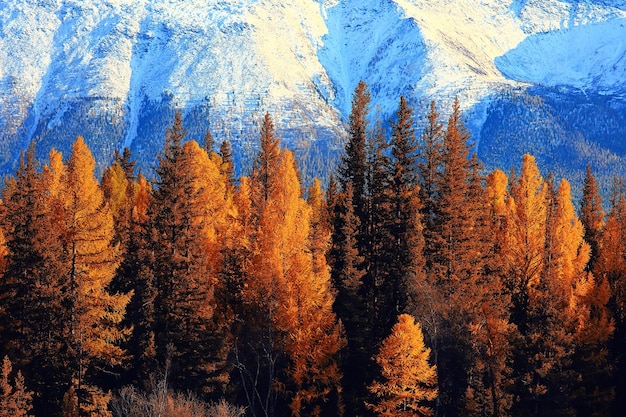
(299, 58)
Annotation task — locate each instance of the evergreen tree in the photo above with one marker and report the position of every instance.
(407, 243)
(378, 289)
(592, 359)
(126, 163)
(456, 251)
(3, 253)
(347, 278)
(127, 196)
(135, 273)
(591, 215)
(266, 163)
(611, 266)
(236, 259)
(228, 167)
(430, 165)
(332, 195)
(35, 295)
(209, 142)
(353, 166)
(182, 260)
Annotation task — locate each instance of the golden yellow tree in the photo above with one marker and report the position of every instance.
(611, 265)
(409, 382)
(524, 255)
(119, 192)
(213, 202)
(555, 300)
(319, 238)
(587, 312)
(54, 174)
(291, 332)
(525, 233)
(497, 182)
(488, 392)
(93, 261)
(572, 250)
(115, 189)
(34, 293)
(15, 399)
(313, 336)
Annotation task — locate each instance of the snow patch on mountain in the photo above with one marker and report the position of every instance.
(387, 52)
(542, 16)
(587, 57)
(462, 38)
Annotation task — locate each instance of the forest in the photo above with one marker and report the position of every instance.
(415, 283)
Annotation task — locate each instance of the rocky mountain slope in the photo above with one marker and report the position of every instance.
(547, 76)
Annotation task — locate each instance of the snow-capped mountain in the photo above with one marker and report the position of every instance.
(114, 70)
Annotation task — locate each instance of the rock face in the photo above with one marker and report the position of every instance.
(115, 70)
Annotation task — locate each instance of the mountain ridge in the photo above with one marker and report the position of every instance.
(114, 70)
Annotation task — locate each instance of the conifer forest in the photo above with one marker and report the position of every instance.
(412, 282)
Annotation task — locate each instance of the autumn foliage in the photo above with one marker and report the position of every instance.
(15, 399)
(413, 283)
(409, 383)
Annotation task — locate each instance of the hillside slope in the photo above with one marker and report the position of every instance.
(115, 70)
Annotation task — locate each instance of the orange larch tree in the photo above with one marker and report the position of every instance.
(525, 236)
(212, 189)
(551, 289)
(34, 290)
(96, 313)
(524, 254)
(488, 391)
(408, 385)
(15, 399)
(292, 332)
(313, 336)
